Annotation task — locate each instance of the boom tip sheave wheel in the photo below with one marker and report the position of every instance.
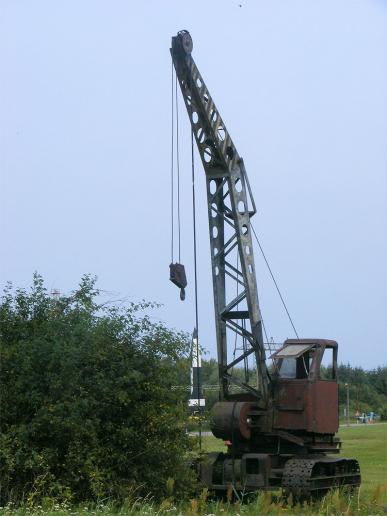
(186, 41)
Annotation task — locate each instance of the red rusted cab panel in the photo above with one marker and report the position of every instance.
(322, 409)
(291, 402)
(308, 406)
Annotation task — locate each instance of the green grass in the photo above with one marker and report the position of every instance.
(368, 444)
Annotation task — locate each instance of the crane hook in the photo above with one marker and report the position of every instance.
(178, 277)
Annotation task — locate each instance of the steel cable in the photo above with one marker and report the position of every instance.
(275, 283)
(196, 280)
(172, 161)
(178, 169)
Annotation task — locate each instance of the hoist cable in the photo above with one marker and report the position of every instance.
(195, 276)
(172, 160)
(196, 280)
(178, 168)
(275, 283)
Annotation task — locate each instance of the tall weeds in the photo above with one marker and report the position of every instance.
(338, 502)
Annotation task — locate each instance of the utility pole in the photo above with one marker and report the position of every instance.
(347, 387)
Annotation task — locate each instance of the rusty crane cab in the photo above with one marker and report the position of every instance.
(305, 386)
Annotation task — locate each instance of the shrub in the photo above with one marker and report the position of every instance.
(87, 409)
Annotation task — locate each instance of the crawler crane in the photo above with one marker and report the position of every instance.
(280, 428)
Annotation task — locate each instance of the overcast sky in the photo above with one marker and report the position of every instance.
(85, 154)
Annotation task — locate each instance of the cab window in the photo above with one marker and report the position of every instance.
(288, 369)
(294, 361)
(328, 365)
(297, 368)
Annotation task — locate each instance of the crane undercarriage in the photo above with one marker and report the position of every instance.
(274, 463)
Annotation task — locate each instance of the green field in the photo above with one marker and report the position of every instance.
(368, 444)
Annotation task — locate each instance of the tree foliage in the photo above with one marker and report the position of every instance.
(367, 389)
(87, 409)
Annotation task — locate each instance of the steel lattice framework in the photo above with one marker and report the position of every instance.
(230, 208)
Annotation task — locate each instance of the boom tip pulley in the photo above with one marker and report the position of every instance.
(185, 40)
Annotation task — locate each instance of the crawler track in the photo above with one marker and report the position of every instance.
(309, 477)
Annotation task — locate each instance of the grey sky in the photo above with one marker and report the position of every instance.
(85, 153)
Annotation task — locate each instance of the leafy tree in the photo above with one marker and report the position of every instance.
(367, 389)
(86, 405)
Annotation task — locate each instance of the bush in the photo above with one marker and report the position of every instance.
(87, 409)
